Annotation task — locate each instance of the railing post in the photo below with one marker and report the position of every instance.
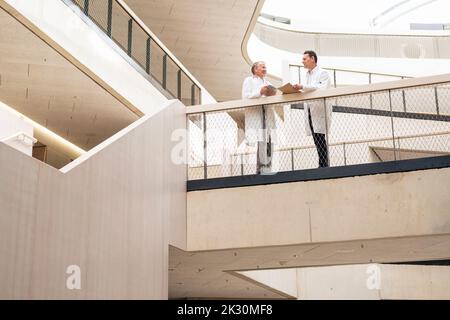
(264, 119)
(334, 77)
(436, 98)
(193, 95)
(404, 100)
(109, 7)
(189, 156)
(242, 164)
(370, 78)
(265, 139)
(109, 23)
(147, 56)
(327, 142)
(392, 123)
(164, 66)
(292, 159)
(179, 84)
(130, 36)
(205, 151)
(345, 154)
(86, 7)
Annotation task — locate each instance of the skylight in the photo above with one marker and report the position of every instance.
(364, 16)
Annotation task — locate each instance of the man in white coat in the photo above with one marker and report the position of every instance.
(257, 86)
(317, 114)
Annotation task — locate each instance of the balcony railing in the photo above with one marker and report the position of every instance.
(390, 121)
(120, 26)
(345, 77)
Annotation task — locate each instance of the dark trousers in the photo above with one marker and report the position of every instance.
(321, 144)
(264, 151)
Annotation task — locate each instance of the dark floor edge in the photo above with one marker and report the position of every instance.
(444, 262)
(321, 174)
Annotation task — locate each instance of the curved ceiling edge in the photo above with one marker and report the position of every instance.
(283, 27)
(248, 33)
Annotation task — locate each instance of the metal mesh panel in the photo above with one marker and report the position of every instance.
(117, 24)
(197, 95)
(186, 89)
(196, 155)
(172, 77)
(421, 132)
(222, 140)
(79, 3)
(120, 24)
(354, 129)
(139, 46)
(98, 12)
(443, 94)
(156, 62)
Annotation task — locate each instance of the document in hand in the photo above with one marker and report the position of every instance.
(287, 88)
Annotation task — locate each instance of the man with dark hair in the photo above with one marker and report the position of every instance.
(312, 55)
(317, 114)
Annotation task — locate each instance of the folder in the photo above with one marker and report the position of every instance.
(288, 88)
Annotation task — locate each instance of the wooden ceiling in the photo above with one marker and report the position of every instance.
(41, 84)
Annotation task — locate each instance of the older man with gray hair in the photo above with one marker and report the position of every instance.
(257, 86)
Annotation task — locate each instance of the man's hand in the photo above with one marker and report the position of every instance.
(271, 92)
(298, 86)
(264, 91)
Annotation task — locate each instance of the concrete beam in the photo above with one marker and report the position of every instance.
(367, 207)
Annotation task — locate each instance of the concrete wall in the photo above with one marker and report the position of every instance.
(415, 282)
(109, 214)
(10, 125)
(353, 45)
(260, 50)
(59, 26)
(367, 207)
(360, 281)
(338, 282)
(283, 281)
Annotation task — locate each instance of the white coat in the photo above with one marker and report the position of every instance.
(317, 79)
(251, 89)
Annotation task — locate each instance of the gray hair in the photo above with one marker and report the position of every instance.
(255, 65)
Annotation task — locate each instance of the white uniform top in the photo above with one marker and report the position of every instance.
(251, 89)
(317, 78)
